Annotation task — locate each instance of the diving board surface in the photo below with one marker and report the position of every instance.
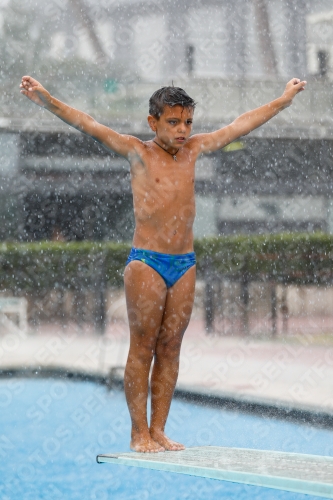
(308, 474)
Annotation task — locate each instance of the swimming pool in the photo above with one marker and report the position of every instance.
(51, 431)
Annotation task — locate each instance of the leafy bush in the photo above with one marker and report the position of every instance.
(46, 265)
(289, 258)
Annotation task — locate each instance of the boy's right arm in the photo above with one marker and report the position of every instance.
(123, 145)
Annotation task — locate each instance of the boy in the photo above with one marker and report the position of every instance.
(160, 273)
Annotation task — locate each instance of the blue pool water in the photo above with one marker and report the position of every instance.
(51, 432)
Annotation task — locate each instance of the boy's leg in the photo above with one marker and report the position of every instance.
(177, 313)
(145, 297)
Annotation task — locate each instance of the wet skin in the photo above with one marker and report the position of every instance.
(164, 207)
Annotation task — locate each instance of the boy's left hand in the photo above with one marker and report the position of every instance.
(293, 87)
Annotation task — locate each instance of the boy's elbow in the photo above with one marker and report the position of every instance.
(237, 129)
(92, 122)
(93, 128)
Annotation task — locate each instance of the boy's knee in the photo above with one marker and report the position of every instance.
(143, 352)
(169, 350)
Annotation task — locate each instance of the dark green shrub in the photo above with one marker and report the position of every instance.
(33, 266)
(289, 258)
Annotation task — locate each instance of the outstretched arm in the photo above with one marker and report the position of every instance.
(249, 121)
(121, 144)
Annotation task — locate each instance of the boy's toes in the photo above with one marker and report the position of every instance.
(177, 446)
(174, 446)
(146, 446)
(167, 443)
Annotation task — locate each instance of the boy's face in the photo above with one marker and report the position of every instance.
(174, 126)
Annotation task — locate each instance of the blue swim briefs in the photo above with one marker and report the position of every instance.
(169, 266)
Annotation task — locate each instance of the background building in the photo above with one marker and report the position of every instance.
(108, 58)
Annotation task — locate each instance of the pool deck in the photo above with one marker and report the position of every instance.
(295, 373)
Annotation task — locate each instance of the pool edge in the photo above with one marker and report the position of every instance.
(113, 379)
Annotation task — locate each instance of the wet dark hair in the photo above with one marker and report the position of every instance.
(169, 96)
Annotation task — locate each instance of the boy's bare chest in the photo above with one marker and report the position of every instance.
(165, 177)
(173, 176)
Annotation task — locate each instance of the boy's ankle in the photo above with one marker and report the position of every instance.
(156, 430)
(135, 433)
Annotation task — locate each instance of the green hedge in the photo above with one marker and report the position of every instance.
(34, 266)
(288, 257)
(291, 258)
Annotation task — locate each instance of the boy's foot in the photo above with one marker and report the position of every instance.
(164, 441)
(145, 445)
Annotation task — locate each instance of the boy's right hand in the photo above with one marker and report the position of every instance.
(35, 91)
(123, 145)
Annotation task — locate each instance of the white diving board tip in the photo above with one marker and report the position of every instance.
(307, 474)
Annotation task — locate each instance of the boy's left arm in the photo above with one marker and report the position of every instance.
(249, 121)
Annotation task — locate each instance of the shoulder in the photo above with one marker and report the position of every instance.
(140, 151)
(196, 142)
(144, 148)
(136, 147)
(122, 144)
(212, 141)
(135, 142)
(138, 144)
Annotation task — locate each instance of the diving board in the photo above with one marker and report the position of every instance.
(308, 474)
